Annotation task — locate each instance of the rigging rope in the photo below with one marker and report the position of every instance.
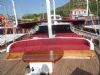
(92, 21)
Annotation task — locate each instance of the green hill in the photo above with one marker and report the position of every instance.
(65, 9)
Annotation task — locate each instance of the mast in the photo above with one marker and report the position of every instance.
(87, 7)
(14, 13)
(16, 22)
(54, 10)
(49, 18)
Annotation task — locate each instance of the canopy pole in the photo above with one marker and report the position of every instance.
(15, 13)
(54, 10)
(49, 18)
(87, 7)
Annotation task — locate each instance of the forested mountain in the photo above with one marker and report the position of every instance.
(66, 8)
(73, 4)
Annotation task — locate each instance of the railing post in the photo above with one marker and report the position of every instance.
(99, 42)
(91, 39)
(99, 31)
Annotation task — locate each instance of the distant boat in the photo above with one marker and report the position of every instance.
(7, 31)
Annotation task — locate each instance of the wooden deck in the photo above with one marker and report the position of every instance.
(77, 67)
(62, 67)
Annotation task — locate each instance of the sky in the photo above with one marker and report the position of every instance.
(34, 6)
(30, 6)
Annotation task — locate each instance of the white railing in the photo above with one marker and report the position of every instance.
(84, 33)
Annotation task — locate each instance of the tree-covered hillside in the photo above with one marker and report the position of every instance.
(73, 4)
(65, 9)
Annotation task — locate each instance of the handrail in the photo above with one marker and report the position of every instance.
(84, 33)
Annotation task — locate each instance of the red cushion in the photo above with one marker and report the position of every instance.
(50, 44)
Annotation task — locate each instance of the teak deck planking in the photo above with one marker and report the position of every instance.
(62, 67)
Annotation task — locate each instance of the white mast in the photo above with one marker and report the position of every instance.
(87, 7)
(54, 12)
(49, 18)
(14, 12)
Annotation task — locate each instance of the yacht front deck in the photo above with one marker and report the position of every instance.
(62, 67)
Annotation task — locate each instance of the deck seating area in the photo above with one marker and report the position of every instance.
(50, 44)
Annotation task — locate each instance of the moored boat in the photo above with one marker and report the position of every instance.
(48, 45)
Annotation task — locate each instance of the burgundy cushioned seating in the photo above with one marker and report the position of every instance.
(50, 44)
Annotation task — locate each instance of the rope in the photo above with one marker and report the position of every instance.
(92, 21)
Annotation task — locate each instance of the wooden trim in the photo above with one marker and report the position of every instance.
(45, 55)
(79, 53)
(14, 55)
